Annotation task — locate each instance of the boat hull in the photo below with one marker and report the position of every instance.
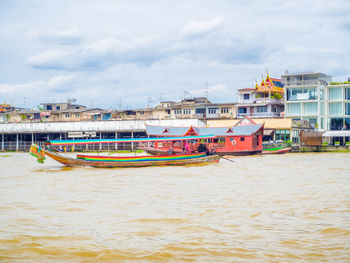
(279, 151)
(139, 161)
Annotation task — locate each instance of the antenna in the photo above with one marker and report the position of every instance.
(24, 101)
(160, 97)
(189, 94)
(120, 104)
(149, 102)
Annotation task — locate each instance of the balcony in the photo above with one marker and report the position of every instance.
(260, 115)
(268, 101)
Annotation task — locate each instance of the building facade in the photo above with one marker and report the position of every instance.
(199, 107)
(305, 97)
(337, 106)
(263, 101)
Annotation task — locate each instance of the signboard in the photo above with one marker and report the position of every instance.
(81, 134)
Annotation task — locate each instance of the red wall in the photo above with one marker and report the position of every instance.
(249, 143)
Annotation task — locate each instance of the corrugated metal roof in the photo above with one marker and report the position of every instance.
(245, 130)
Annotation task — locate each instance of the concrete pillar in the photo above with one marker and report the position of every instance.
(100, 143)
(17, 142)
(32, 138)
(132, 144)
(116, 145)
(3, 142)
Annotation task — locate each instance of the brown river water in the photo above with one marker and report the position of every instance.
(276, 208)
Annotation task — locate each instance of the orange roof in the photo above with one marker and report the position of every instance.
(268, 86)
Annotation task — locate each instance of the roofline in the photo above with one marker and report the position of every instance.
(306, 73)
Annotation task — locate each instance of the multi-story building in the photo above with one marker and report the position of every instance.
(199, 107)
(62, 106)
(305, 97)
(263, 101)
(337, 109)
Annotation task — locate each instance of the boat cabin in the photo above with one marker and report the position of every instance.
(244, 138)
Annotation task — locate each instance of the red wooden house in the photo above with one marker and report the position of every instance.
(242, 139)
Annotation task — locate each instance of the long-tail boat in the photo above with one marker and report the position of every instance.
(275, 148)
(50, 150)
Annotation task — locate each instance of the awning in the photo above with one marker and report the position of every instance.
(94, 113)
(268, 132)
(45, 113)
(336, 133)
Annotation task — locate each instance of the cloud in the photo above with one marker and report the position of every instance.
(201, 28)
(98, 55)
(68, 37)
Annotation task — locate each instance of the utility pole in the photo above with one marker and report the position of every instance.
(206, 89)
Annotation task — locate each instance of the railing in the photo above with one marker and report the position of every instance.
(260, 115)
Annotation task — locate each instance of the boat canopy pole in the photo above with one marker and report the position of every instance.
(129, 140)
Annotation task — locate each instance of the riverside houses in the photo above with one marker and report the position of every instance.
(198, 107)
(262, 101)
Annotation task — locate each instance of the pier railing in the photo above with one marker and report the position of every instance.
(25, 146)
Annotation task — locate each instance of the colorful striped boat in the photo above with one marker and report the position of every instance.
(121, 161)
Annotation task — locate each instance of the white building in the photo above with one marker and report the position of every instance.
(337, 108)
(305, 97)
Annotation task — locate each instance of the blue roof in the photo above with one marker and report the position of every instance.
(244, 130)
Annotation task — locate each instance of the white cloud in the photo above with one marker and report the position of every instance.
(22, 87)
(200, 28)
(60, 80)
(66, 37)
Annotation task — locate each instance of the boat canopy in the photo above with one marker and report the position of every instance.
(128, 140)
(341, 133)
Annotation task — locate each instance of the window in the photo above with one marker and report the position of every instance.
(262, 109)
(187, 111)
(282, 135)
(177, 111)
(67, 115)
(221, 140)
(246, 96)
(310, 108)
(212, 110)
(336, 124)
(335, 108)
(294, 109)
(225, 110)
(347, 108)
(302, 94)
(77, 115)
(58, 107)
(242, 139)
(242, 110)
(48, 107)
(335, 93)
(347, 124)
(347, 93)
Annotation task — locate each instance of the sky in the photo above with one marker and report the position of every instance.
(132, 54)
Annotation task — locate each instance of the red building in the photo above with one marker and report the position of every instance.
(242, 139)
